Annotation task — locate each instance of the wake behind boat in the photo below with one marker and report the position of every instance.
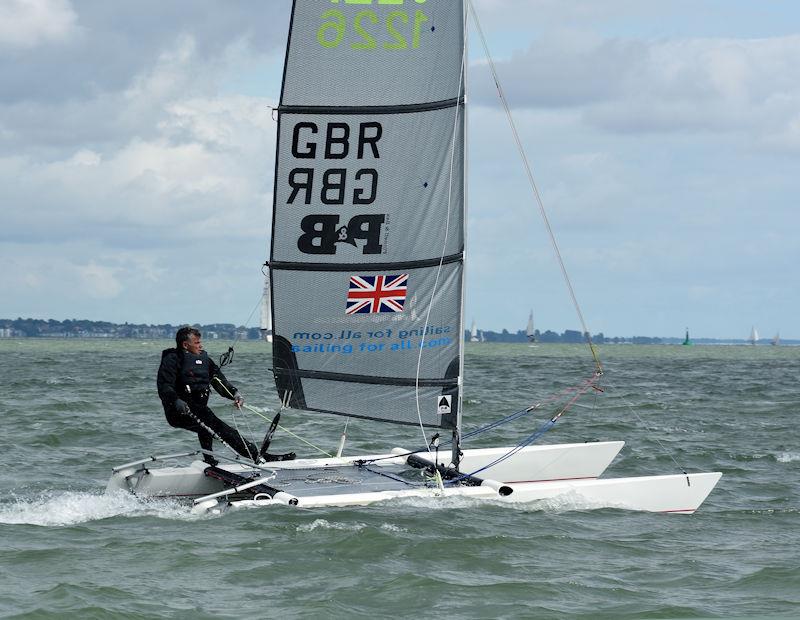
(366, 283)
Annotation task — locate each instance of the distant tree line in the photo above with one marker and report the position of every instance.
(568, 336)
(81, 328)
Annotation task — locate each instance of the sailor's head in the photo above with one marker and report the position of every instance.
(189, 339)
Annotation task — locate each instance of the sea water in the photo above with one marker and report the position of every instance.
(72, 409)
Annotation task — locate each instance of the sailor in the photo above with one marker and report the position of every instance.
(185, 379)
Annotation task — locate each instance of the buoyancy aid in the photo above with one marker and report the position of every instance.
(194, 376)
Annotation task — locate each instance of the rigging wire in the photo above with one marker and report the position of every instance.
(258, 413)
(522, 412)
(588, 385)
(630, 406)
(578, 390)
(227, 358)
(233, 414)
(533, 185)
(551, 235)
(285, 430)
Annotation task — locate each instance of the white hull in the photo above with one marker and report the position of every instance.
(533, 474)
(675, 494)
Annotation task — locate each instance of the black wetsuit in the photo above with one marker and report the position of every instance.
(188, 377)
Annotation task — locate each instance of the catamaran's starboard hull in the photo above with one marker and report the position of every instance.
(674, 494)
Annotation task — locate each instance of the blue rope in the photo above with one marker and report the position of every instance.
(477, 431)
(525, 442)
(496, 423)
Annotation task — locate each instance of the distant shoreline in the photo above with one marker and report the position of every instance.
(95, 330)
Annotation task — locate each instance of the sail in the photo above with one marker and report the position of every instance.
(366, 262)
(753, 336)
(529, 328)
(473, 332)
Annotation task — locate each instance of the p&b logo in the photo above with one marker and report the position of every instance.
(321, 233)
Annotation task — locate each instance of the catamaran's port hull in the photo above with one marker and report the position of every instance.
(534, 473)
(533, 463)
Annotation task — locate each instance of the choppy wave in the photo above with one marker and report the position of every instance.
(63, 508)
(66, 549)
(357, 526)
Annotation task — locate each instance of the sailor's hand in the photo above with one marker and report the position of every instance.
(238, 400)
(181, 406)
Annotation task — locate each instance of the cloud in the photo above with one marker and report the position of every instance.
(195, 167)
(131, 169)
(136, 160)
(25, 24)
(99, 280)
(745, 86)
(111, 42)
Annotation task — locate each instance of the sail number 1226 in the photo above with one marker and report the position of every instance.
(368, 29)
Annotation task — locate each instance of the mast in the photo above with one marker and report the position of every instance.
(455, 457)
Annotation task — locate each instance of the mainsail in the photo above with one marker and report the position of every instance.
(529, 332)
(369, 211)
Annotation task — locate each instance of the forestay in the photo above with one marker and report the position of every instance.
(366, 261)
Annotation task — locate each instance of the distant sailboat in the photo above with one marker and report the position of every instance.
(753, 336)
(473, 332)
(777, 339)
(529, 329)
(266, 312)
(686, 341)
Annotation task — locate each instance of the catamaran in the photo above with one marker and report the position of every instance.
(366, 282)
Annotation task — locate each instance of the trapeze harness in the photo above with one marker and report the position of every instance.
(195, 377)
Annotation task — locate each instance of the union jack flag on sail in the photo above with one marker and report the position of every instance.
(373, 294)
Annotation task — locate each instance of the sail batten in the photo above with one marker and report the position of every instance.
(428, 262)
(375, 109)
(368, 379)
(367, 252)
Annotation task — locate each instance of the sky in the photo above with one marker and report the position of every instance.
(137, 153)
